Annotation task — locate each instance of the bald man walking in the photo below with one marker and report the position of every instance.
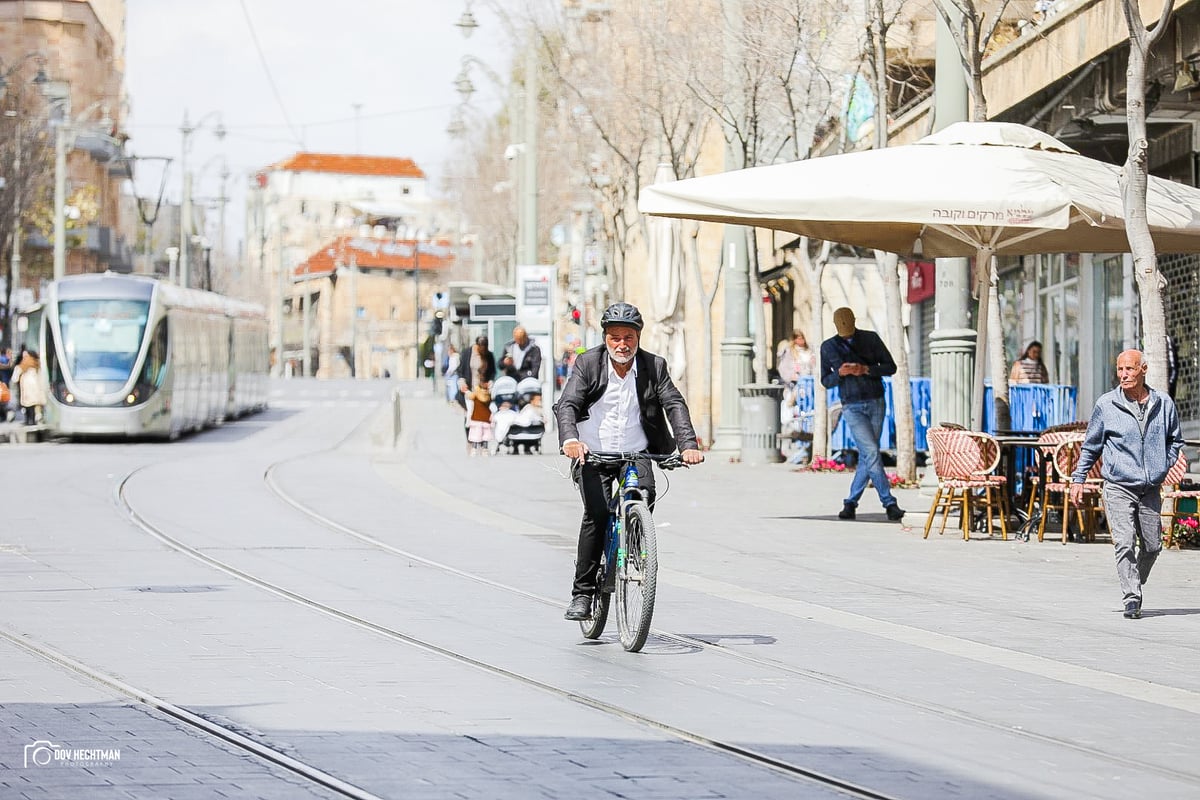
(1135, 429)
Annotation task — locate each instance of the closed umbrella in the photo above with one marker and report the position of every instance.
(974, 188)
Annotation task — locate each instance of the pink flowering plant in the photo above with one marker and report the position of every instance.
(1187, 532)
(819, 464)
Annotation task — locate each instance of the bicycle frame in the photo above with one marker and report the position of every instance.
(624, 493)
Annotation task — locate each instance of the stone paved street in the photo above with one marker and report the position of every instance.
(917, 668)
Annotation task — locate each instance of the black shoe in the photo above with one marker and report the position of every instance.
(895, 512)
(580, 608)
(1133, 609)
(847, 511)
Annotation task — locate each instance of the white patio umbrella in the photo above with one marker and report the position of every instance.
(974, 188)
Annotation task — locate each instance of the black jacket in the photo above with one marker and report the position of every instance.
(864, 347)
(531, 364)
(464, 367)
(658, 398)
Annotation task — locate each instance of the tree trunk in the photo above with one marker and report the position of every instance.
(997, 361)
(814, 269)
(906, 445)
(1134, 179)
(757, 312)
(906, 459)
(691, 232)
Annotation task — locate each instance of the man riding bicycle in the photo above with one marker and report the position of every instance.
(618, 399)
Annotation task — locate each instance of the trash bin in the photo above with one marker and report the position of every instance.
(760, 406)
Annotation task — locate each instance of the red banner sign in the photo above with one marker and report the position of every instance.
(920, 281)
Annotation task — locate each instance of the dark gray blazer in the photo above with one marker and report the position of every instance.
(660, 401)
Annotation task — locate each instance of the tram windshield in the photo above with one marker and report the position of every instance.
(101, 338)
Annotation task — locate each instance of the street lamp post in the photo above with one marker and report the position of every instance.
(185, 203)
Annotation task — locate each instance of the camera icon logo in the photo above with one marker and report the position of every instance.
(40, 753)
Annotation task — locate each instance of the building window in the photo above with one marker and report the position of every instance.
(1058, 315)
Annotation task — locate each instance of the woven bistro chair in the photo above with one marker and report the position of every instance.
(1173, 493)
(1046, 443)
(1066, 456)
(965, 462)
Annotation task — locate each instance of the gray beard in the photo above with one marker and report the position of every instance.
(620, 360)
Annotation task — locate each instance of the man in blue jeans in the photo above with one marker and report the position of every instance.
(855, 361)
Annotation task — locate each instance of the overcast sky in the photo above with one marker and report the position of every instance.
(397, 58)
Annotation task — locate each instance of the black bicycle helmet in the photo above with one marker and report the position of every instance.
(622, 314)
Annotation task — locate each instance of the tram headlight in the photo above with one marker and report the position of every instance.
(70, 398)
(131, 398)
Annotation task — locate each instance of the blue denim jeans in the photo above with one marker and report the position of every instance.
(865, 420)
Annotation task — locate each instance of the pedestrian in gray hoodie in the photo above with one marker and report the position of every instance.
(1135, 429)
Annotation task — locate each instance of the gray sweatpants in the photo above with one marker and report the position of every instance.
(1133, 517)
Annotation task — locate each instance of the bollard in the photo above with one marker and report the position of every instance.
(395, 417)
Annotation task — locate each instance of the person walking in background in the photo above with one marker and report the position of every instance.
(1030, 368)
(28, 376)
(522, 357)
(450, 371)
(479, 361)
(855, 361)
(796, 360)
(1135, 430)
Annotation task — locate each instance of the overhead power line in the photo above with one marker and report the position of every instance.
(270, 78)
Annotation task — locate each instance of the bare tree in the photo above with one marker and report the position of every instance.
(814, 269)
(1134, 179)
(906, 464)
(25, 190)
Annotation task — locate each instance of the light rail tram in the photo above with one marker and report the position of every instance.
(132, 356)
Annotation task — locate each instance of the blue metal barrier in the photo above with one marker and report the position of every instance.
(842, 439)
(1033, 407)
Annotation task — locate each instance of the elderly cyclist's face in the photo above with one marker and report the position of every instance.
(622, 343)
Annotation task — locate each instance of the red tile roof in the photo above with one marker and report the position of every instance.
(376, 254)
(349, 165)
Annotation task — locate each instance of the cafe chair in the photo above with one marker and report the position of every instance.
(1065, 458)
(1174, 490)
(965, 463)
(1047, 441)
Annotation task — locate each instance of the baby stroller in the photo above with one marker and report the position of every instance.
(519, 419)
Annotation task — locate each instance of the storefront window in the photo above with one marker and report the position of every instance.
(1058, 312)
(1114, 318)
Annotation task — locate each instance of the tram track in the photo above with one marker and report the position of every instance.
(192, 720)
(745, 754)
(945, 712)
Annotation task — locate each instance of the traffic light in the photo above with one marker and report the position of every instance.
(576, 315)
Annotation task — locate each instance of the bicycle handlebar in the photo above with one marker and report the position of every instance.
(672, 461)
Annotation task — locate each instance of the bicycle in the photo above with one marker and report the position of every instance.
(629, 560)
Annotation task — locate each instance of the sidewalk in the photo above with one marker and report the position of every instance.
(723, 522)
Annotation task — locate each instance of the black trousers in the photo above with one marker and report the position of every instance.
(595, 487)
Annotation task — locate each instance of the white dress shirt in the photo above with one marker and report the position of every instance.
(614, 422)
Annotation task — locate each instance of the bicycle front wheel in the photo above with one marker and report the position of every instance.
(637, 576)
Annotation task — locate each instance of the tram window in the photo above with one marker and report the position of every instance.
(101, 338)
(155, 367)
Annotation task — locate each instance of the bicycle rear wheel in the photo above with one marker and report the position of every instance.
(637, 576)
(593, 627)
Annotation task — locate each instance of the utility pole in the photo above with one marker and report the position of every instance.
(279, 302)
(529, 188)
(185, 203)
(60, 198)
